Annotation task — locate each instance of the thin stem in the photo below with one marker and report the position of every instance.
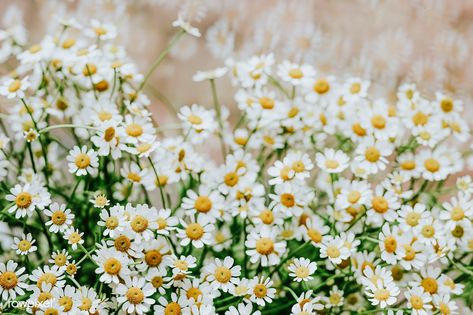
(163, 200)
(219, 116)
(47, 129)
(161, 57)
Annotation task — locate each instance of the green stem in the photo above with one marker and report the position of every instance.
(219, 116)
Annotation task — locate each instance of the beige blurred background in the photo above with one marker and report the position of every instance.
(428, 42)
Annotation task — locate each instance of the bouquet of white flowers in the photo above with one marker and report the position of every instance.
(326, 201)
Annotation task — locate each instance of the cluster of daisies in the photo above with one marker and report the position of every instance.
(326, 201)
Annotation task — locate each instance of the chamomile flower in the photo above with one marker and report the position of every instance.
(334, 249)
(112, 265)
(12, 88)
(458, 212)
(166, 222)
(134, 295)
(261, 290)
(206, 202)
(301, 269)
(60, 217)
(294, 73)
(196, 232)
(25, 199)
(222, 274)
(113, 220)
(372, 154)
(82, 161)
(242, 309)
(73, 237)
(24, 244)
(418, 301)
(12, 280)
(332, 161)
(263, 246)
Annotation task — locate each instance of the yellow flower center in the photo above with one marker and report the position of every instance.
(172, 309)
(68, 43)
(86, 304)
(134, 130)
(74, 238)
(82, 160)
(428, 231)
(358, 130)
(355, 88)
(195, 120)
(157, 281)
(194, 231)
(293, 112)
(321, 86)
(139, 224)
(14, 86)
(390, 244)
(379, 204)
(457, 214)
(58, 217)
(100, 30)
(408, 165)
(111, 223)
(23, 200)
(331, 164)
(353, 197)
(429, 285)
(101, 86)
(48, 278)
(417, 302)
(51, 311)
(109, 134)
(193, 293)
(431, 165)
(66, 302)
(447, 105)
(223, 274)
(122, 243)
(296, 73)
(104, 116)
(267, 216)
(458, 231)
(287, 200)
(333, 251)
(378, 122)
(413, 218)
(314, 235)
(203, 204)
(298, 166)
(89, 69)
(420, 119)
(260, 291)
(381, 294)
(71, 269)
(8, 280)
(135, 295)
(302, 272)
(372, 154)
(60, 260)
(231, 179)
(24, 245)
(266, 102)
(112, 266)
(264, 246)
(153, 258)
(181, 265)
(444, 309)
(134, 177)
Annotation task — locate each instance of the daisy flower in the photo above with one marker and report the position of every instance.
(134, 295)
(143, 221)
(428, 279)
(242, 309)
(372, 154)
(24, 245)
(458, 212)
(291, 199)
(73, 237)
(12, 280)
(197, 232)
(261, 290)
(334, 248)
(206, 203)
(383, 207)
(335, 297)
(295, 74)
(103, 31)
(199, 121)
(12, 88)
(301, 269)
(216, 73)
(355, 89)
(60, 258)
(173, 306)
(222, 274)
(262, 246)
(100, 200)
(315, 231)
(445, 305)
(186, 26)
(156, 276)
(60, 217)
(110, 139)
(82, 161)
(388, 243)
(410, 217)
(26, 199)
(113, 220)
(53, 275)
(418, 301)
(166, 222)
(332, 161)
(434, 165)
(112, 265)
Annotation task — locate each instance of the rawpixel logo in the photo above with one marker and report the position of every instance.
(26, 304)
